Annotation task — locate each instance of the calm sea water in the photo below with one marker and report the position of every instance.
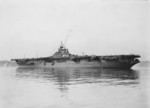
(74, 87)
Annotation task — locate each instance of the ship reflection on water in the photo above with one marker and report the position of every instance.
(63, 77)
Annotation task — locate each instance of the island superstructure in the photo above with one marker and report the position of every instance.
(63, 58)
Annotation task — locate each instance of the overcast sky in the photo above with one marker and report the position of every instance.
(95, 27)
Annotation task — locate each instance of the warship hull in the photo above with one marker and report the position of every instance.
(104, 65)
(62, 58)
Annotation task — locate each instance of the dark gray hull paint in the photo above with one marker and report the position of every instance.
(104, 65)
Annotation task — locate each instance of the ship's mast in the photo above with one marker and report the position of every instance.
(62, 45)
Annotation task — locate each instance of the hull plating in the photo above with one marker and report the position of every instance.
(105, 65)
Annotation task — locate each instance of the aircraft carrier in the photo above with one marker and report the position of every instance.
(62, 58)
